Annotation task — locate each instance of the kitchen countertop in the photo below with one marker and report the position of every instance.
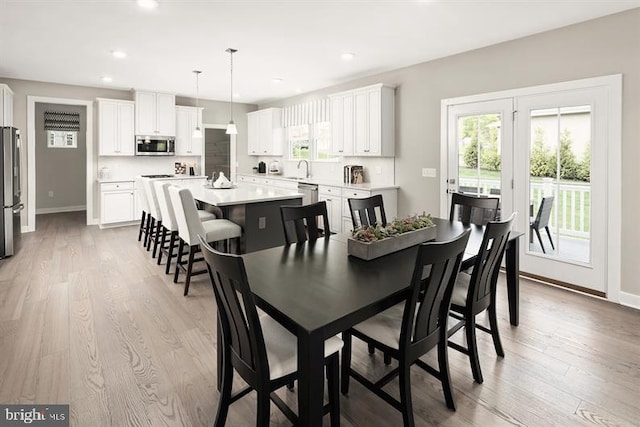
(365, 186)
(242, 194)
(134, 178)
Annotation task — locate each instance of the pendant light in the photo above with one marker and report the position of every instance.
(197, 132)
(231, 127)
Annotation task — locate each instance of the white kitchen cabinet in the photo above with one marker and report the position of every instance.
(342, 125)
(363, 121)
(264, 132)
(155, 114)
(187, 118)
(332, 197)
(115, 127)
(6, 106)
(117, 202)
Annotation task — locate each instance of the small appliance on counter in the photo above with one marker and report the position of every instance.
(274, 168)
(262, 167)
(104, 173)
(353, 174)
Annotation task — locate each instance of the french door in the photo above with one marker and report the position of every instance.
(549, 153)
(561, 154)
(481, 151)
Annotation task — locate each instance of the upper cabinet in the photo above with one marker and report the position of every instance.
(363, 122)
(342, 124)
(6, 106)
(115, 127)
(187, 118)
(155, 114)
(264, 132)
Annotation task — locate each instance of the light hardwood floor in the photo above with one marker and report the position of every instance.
(88, 318)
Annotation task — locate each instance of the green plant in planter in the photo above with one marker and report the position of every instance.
(395, 227)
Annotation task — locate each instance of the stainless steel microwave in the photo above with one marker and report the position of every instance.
(155, 146)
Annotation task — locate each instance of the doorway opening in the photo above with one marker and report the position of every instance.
(61, 152)
(29, 222)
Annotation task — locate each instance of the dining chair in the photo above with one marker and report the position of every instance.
(190, 227)
(476, 292)
(367, 211)
(473, 209)
(258, 348)
(542, 221)
(300, 223)
(409, 330)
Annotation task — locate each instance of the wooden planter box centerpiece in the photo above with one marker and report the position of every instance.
(368, 243)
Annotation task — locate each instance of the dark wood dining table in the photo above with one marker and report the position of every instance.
(316, 290)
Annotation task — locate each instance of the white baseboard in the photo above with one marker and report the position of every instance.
(60, 209)
(630, 300)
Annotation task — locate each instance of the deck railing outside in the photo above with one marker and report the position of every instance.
(571, 205)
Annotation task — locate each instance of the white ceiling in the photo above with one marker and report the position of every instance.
(299, 41)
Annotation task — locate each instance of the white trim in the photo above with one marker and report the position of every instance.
(613, 83)
(233, 161)
(630, 300)
(31, 156)
(60, 209)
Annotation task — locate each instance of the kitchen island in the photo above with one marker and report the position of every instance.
(256, 208)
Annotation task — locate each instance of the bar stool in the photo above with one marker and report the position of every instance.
(190, 227)
(169, 224)
(154, 213)
(145, 218)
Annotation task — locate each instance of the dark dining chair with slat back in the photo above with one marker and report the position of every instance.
(473, 209)
(476, 292)
(410, 329)
(542, 221)
(258, 348)
(363, 211)
(300, 223)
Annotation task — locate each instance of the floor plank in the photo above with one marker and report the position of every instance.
(88, 318)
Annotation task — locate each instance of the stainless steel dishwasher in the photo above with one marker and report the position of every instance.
(309, 192)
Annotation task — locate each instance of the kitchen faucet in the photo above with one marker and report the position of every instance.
(307, 174)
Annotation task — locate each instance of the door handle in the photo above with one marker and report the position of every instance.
(21, 207)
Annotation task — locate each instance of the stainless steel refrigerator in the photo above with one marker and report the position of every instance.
(11, 195)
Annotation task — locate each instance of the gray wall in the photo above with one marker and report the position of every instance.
(61, 170)
(609, 45)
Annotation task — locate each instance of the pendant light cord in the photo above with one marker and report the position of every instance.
(231, 52)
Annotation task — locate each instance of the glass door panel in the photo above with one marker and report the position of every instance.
(479, 149)
(560, 182)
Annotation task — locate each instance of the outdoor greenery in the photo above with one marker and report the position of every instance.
(481, 133)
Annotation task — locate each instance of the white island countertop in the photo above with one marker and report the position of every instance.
(241, 194)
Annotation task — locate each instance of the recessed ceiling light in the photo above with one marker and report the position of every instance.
(347, 56)
(277, 80)
(148, 4)
(118, 54)
(106, 79)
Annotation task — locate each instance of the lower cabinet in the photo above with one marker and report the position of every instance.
(332, 197)
(117, 202)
